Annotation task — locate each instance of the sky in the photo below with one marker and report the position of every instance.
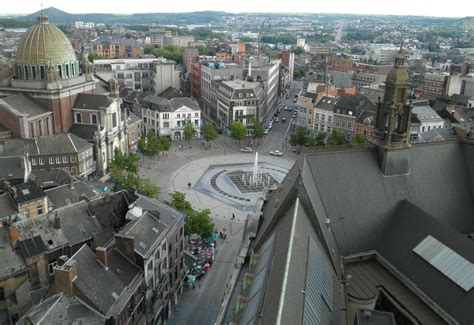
(453, 8)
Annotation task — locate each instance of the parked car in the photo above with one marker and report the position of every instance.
(266, 131)
(293, 149)
(246, 149)
(283, 119)
(294, 100)
(295, 115)
(276, 153)
(277, 119)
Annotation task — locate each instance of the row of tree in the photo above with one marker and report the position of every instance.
(302, 137)
(238, 131)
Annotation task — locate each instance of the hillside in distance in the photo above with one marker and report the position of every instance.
(199, 17)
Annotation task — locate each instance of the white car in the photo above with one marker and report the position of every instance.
(246, 149)
(265, 131)
(276, 153)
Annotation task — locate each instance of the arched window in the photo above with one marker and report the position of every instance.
(26, 72)
(67, 70)
(33, 72)
(42, 75)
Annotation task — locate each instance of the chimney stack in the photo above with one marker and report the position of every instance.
(64, 277)
(13, 235)
(57, 222)
(126, 245)
(101, 255)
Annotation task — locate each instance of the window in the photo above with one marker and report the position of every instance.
(149, 266)
(33, 161)
(65, 159)
(196, 114)
(178, 115)
(42, 75)
(39, 209)
(166, 124)
(41, 161)
(178, 123)
(51, 267)
(78, 117)
(58, 160)
(73, 170)
(196, 122)
(166, 116)
(114, 119)
(94, 118)
(48, 132)
(32, 130)
(33, 72)
(51, 160)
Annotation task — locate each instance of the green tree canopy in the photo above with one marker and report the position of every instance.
(299, 50)
(238, 131)
(298, 73)
(201, 49)
(358, 139)
(209, 133)
(299, 136)
(196, 222)
(170, 52)
(257, 131)
(188, 130)
(337, 138)
(317, 140)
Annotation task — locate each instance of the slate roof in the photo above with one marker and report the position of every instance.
(355, 103)
(441, 182)
(101, 286)
(49, 178)
(10, 168)
(366, 114)
(7, 205)
(78, 224)
(147, 232)
(84, 131)
(170, 93)
(288, 243)
(177, 103)
(21, 104)
(12, 262)
(132, 119)
(61, 144)
(17, 147)
(407, 227)
(434, 135)
(91, 101)
(28, 191)
(168, 215)
(326, 103)
(32, 246)
(68, 194)
(156, 103)
(460, 99)
(61, 309)
(426, 114)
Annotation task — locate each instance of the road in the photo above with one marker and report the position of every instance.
(201, 305)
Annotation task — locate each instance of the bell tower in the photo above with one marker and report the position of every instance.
(392, 124)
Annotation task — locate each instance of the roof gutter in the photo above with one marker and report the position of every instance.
(287, 263)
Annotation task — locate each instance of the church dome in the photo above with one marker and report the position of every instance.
(43, 45)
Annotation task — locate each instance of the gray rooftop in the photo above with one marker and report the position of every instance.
(426, 114)
(84, 131)
(441, 182)
(177, 103)
(147, 231)
(21, 104)
(10, 168)
(7, 205)
(17, 147)
(101, 286)
(61, 143)
(91, 101)
(68, 194)
(406, 229)
(12, 262)
(326, 103)
(61, 309)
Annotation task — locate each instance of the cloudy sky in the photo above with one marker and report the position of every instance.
(452, 8)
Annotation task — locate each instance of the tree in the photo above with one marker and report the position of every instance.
(299, 50)
(164, 143)
(238, 131)
(257, 131)
(196, 222)
(209, 133)
(298, 73)
(201, 49)
(337, 138)
(148, 188)
(318, 140)
(299, 136)
(188, 131)
(358, 139)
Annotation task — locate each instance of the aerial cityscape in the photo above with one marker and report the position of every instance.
(236, 163)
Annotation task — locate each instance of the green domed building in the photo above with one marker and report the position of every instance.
(43, 46)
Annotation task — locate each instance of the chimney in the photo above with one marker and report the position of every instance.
(126, 245)
(13, 235)
(64, 277)
(101, 255)
(57, 222)
(62, 260)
